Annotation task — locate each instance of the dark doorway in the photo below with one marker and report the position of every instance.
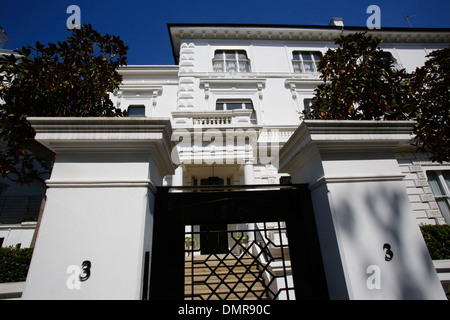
(289, 206)
(213, 238)
(212, 181)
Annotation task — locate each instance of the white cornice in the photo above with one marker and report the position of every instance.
(233, 80)
(314, 136)
(307, 33)
(101, 184)
(179, 33)
(107, 135)
(149, 70)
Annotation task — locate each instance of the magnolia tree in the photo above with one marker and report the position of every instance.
(70, 78)
(432, 93)
(363, 82)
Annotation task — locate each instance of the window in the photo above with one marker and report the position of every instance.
(229, 105)
(306, 61)
(136, 111)
(386, 56)
(234, 105)
(231, 61)
(439, 182)
(396, 65)
(307, 103)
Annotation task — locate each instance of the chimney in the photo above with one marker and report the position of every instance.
(337, 22)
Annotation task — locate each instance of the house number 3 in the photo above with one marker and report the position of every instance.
(85, 270)
(388, 254)
(78, 275)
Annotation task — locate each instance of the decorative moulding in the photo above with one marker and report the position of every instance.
(92, 135)
(357, 136)
(233, 83)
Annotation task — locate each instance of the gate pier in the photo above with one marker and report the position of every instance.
(96, 230)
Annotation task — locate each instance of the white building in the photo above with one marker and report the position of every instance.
(258, 78)
(228, 114)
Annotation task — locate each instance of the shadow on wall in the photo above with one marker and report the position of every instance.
(373, 220)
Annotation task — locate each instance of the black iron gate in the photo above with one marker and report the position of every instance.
(235, 242)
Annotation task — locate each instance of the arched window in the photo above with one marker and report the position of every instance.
(136, 110)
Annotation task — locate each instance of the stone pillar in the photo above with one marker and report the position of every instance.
(249, 175)
(372, 247)
(177, 179)
(98, 218)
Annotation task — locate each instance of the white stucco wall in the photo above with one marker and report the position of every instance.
(17, 234)
(361, 205)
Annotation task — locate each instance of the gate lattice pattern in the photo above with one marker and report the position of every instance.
(256, 265)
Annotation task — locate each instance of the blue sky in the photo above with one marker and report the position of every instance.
(143, 24)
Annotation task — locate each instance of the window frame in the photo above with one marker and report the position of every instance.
(300, 62)
(244, 106)
(395, 63)
(444, 190)
(140, 107)
(243, 102)
(307, 103)
(225, 60)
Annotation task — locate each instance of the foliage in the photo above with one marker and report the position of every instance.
(432, 93)
(14, 264)
(437, 239)
(190, 241)
(70, 78)
(242, 238)
(361, 82)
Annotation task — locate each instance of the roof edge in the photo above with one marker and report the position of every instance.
(178, 31)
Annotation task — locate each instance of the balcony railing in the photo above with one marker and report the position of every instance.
(213, 118)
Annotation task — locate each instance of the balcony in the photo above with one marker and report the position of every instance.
(213, 119)
(226, 137)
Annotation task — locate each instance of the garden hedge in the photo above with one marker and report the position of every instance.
(437, 238)
(14, 263)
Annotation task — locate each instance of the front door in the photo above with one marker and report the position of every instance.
(213, 236)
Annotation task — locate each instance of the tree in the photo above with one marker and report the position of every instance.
(361, 82)
(431, 84)
(70, 78)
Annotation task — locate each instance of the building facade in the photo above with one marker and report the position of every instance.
(227, 118)
(259, 79)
